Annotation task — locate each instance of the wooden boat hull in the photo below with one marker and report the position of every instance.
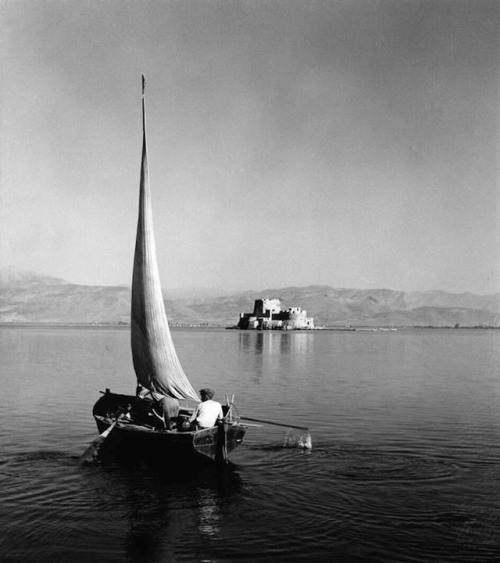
(141, 436)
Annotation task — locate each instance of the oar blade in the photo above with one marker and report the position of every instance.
(294, 439)
(92, 452)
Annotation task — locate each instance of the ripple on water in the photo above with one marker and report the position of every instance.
(49, 508)
(359, 496)
(371, 465)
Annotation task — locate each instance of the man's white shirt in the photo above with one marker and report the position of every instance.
(207, 413)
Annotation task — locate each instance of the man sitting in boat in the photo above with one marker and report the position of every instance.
(208, 412)
(166, 408)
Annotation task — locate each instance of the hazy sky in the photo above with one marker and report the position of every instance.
(350, 143)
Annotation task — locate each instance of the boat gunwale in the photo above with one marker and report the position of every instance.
(130, 426)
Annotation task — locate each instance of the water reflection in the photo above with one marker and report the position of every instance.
(208, 512)
(296, 343)
(167, 511)
(275, 342)
(250, 358)
(273, 352)
(244, 341)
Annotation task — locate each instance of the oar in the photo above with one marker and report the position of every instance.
(92, 450)
(274, 423)
(303, 441)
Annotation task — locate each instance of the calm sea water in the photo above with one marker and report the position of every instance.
(405, 464)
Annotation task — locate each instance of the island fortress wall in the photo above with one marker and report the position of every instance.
(264, 307)
(268, 315)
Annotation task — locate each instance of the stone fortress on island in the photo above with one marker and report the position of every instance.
(267, 315)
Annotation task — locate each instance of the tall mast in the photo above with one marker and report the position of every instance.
(156, 364)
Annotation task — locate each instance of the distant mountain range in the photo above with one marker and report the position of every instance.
(27, 297)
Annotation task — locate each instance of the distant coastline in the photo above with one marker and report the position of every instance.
(29, 298)
(205, 326)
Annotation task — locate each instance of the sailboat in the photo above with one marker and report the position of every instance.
(129, 420)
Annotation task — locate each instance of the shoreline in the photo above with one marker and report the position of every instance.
(205, 326)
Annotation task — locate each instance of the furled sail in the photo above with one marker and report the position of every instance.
(155, 360)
